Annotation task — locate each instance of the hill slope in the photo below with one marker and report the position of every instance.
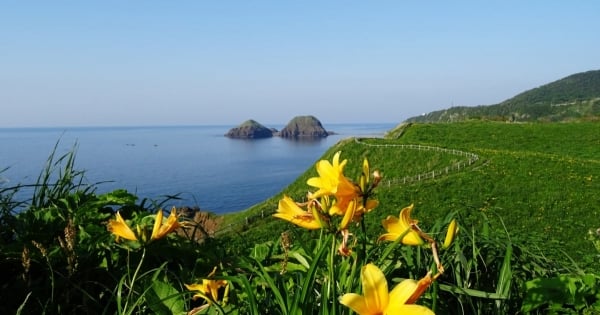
(576, 97)
(538, 181)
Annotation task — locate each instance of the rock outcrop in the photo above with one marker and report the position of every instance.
(304, 127)
(200, 224)
(250, 129)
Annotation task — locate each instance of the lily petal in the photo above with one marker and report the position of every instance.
(374, 287)
(409, 309)
(120, 228)
(403, 291)
(288, 210)
(157, 223)
(356, 302)
(164, 229)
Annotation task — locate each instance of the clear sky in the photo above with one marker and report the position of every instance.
(91, 63)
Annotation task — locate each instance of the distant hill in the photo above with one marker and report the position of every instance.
(576, 97)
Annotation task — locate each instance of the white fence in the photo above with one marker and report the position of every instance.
(470, 158)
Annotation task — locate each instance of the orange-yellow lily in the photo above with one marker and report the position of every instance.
(209, 289)
(331, 180)
(403, 225)
(161, 230)
(378, 301)
(288, 210)
(119, 228)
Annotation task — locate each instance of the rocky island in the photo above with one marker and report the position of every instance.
(304, 127)
(250, 129)
(300, 127)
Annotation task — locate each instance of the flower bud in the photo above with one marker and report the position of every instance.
(450, 234)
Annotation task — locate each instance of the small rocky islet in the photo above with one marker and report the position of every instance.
(300, 127)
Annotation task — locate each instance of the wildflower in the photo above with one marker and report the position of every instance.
(452, 230)
(365, 183)
(119, 228)
(161, 230)
(288, 210)
(377, 299)
(402, 226)
(209, 288)
(331, 180)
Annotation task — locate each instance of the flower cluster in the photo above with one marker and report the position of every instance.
(336, 197)
(335, 204)
(121, 229)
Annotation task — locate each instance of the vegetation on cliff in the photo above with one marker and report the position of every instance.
(502, 218)
(576, 97)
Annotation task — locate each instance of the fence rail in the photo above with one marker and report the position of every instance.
(471, 158)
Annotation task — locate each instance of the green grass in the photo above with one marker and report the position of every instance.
(540, 181)
(525, 197)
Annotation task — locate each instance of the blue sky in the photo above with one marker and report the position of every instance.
(104, 63)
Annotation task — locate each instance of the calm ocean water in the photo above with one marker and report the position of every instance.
(208, 170)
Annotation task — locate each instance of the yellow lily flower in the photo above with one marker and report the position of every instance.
(378, 301)
(119, 228)
(288, 210)
(401, 226)
(161, 230)
(209, 289)
(331, 180)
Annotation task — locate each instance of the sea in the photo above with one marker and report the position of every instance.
(199, 164)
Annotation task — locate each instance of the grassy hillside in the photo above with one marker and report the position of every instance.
(576, 97)
(525, 197)
(540, 182)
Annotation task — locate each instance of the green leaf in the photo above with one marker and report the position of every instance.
(164, 299)
(261, 251)
(300, 259)
(117, 197)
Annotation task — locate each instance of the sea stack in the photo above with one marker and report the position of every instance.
(250, 129)
(304, 127)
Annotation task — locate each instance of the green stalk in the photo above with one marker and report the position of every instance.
(332, 277)
(132, 281)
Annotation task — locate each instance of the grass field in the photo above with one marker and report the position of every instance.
(539, 182)
(525, 196)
